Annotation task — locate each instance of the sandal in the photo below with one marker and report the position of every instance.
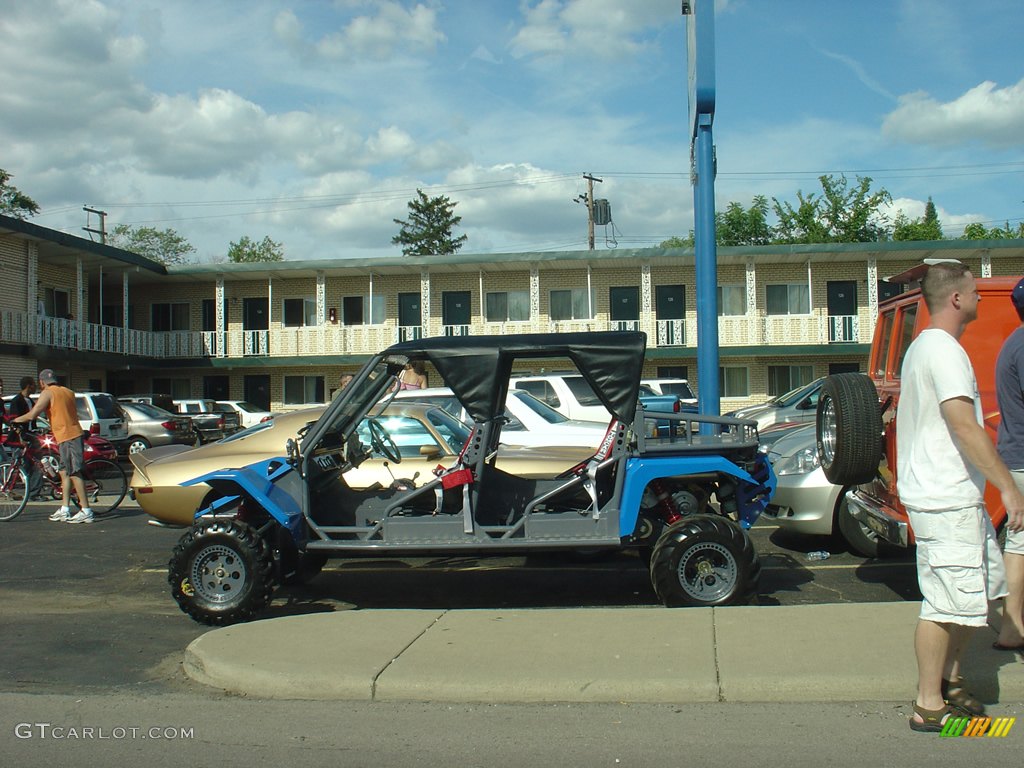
(933, 720)
(957, 696)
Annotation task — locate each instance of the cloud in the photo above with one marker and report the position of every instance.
(858, 70)
(389, 31)
(987, 114)
(607, 29)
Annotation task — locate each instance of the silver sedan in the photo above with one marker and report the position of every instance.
(805, 501)
(150, 426)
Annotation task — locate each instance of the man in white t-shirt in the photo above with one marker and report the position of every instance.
(944, 456)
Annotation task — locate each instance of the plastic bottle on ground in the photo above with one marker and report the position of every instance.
(820, 554)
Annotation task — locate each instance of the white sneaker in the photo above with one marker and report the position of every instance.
(60, 516)
(83, 516)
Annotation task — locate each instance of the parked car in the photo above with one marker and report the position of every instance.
(530, 422)
(678, 387)
(686, 500)
(248, 414)
(160, 401)
(100, 414)
(424, 436)
(209, 420)
(806, 501)
(856, 435)
(797, 405)
(572, 396)
(149, 426)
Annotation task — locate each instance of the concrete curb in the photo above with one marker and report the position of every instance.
(858, 652)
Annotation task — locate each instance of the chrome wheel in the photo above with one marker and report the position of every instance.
(218, 574)
(708, 573)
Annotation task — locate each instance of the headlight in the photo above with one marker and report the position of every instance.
(800, 463)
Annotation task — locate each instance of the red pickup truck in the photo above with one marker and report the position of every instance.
(857, 413)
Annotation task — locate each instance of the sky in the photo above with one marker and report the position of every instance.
(315, 122)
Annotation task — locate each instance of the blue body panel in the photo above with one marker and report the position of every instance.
(752, 496)
(258, 481)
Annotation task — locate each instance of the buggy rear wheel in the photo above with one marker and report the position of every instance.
(221, 572)
(704, 560)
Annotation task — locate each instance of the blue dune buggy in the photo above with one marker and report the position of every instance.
(683, 498)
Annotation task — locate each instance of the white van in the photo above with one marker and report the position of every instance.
(100, 414)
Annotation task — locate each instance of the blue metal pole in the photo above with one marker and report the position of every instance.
(706, 258)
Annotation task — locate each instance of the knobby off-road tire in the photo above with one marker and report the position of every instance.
(704, 560)
(221, 572)
(849, 429)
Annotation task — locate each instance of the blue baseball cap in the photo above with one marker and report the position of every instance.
(1017, 296)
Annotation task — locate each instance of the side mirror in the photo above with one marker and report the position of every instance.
(430, 451)
(292, 450)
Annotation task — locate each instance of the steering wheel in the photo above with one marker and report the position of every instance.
(382, 442)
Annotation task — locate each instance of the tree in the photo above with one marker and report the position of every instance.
(926, 228)
(678, 242)
(245, 250)
(163, 245)
(737, 226)
(428, 230)
(978, 231)
(839, 215)
(13, 202)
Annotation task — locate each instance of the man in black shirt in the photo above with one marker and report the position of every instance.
(21, 403)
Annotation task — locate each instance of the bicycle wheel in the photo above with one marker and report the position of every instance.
(13, 491)
(105, 485)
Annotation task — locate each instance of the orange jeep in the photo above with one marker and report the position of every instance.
(855, 410)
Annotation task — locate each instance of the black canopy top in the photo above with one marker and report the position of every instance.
(477, 368)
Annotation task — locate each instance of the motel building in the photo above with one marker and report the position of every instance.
(281, 334)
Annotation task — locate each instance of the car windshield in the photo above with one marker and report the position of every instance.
(249, 407)
(796, 395)
(106, 407)
(450, 428)
(223, 408)
(545, 411)
(148, 410)
(581, 390)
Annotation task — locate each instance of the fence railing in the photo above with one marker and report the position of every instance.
(27, 329)
(843, 329)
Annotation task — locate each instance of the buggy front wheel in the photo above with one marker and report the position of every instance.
(105, 485)
(221, 572)
(13, 491)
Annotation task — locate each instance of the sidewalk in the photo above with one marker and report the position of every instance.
(845, 652)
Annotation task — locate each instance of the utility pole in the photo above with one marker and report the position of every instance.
(700, 49)
(102, 231)
(589, 200)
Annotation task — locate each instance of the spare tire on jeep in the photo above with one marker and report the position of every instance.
(849, 429)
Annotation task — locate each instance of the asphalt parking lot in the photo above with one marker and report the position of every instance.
(89, 605)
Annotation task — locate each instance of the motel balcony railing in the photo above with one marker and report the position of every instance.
(332, 339)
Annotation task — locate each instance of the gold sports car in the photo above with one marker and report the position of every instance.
(426, 436)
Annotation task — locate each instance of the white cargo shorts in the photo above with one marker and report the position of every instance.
(959, 565)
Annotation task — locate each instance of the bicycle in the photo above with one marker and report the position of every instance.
(33, 455)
